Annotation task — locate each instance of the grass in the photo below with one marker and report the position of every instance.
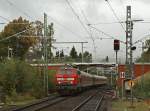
(120, 105)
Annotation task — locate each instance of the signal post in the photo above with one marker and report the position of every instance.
(116, 49)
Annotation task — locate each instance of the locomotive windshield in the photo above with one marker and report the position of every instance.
(65, 71)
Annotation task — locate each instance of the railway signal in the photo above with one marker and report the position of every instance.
(116, 45)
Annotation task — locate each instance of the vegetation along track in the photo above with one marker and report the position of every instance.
(92, 103)
(46, 102)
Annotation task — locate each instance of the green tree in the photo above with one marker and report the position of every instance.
(50, 34)
(87, 56)
(80, 55)
(62, 53)
(57, 54)
(21, 42)
(16, 75)
(73, 53)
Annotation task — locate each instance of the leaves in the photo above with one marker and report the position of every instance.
(21, 77)
(19, 43)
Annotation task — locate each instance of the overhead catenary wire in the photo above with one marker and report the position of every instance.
(16, 34)
(87, 22)
(17, 8)
(106, 34)
(90, 31)
(81, 21)
(65, 27)
(115, 14)
(13, 23)
(143, 38)
(105, 23)
(4, 18)
(77, 16)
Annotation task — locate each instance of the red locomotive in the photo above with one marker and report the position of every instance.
(70, 80)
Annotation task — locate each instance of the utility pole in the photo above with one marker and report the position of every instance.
(128, 42)
(45, 56)
(129, 52)
(82, 51)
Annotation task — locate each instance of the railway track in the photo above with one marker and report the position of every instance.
(39, 105)
(91, 103)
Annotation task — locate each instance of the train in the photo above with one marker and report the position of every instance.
(70, 80)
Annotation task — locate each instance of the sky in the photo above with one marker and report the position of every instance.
(68, 25)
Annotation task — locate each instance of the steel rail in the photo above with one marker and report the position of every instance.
(99, 103)
(36, 105)
(82, 104)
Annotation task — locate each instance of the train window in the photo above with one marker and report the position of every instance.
(66, 71)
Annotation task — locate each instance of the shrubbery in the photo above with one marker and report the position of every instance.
(19, 78)
(143, 89)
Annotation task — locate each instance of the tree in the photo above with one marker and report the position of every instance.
(107, 59)
(80, 55)
(21, 42)
(57, 54)
(148, 45)
(18, 76)
(50, 34)
(145, 56)
(62, 54)
(73, 53)
(87, 56)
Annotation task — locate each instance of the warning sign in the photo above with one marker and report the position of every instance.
(131, 83)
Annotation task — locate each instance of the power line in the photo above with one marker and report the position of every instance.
(115, 14)
(90, 32)
(77, 17)
(13, 23)
(68, 29)
(6, 38)
(5, 18)
(106, 34)
(118, 22)
(143, 38)
(19, 9)
(83, 14)
(105, 23)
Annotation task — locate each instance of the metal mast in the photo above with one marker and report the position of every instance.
(129, 55)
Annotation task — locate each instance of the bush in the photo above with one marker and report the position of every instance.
(143, 90)
(18, 77)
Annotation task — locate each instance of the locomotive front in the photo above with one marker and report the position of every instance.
(67, 80)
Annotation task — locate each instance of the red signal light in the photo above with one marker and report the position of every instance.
(116, 45)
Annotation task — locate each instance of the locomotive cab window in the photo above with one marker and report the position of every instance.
(66, 71)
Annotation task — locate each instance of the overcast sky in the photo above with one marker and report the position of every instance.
(97, 12)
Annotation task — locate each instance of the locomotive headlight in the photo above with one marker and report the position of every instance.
(59, 79)
(70, 79)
